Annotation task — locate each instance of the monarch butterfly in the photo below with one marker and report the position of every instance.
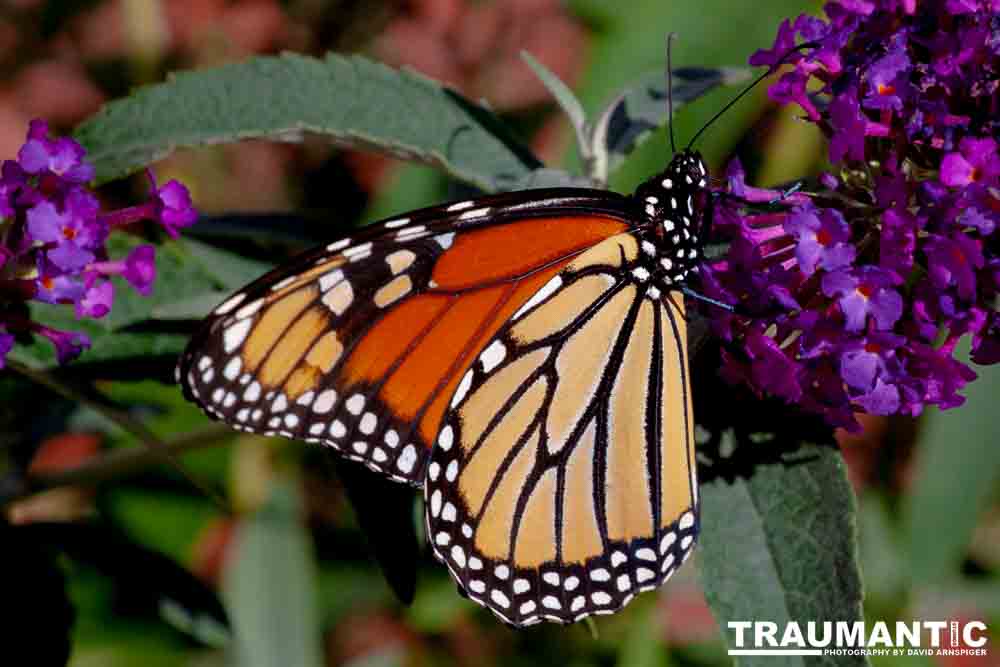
(520, 357)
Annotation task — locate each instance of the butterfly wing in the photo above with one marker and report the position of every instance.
(360, 344)
(563, 480)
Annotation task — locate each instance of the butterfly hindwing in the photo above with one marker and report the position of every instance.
(562, 481)
(359, 345)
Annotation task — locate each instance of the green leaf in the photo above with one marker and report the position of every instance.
(633, 116)
(270, 587)
(957, 468)
(779, 546)
(353, 102)
(230, 271)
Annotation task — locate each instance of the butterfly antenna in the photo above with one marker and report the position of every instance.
(770, 70)
(670, 93)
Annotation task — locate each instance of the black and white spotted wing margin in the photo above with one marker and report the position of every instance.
(562, 482)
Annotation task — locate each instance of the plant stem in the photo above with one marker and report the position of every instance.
(153, 449)
(116, 464)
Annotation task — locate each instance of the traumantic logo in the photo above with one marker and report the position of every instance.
(945, 638)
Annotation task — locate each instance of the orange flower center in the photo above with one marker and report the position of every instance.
(866, 291)
(69, 233)
(824, 237)
(886, 89)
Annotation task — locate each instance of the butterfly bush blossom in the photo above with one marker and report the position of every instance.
(53, 235)
(853, 298)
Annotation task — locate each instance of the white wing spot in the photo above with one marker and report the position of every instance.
(539, 296)
(493, 355)
(281, 284)
(328, 280)
(249, 309)
(460, 206)
(324, 402)
(280, 404)
(474, 213)
(407, 459)
(337, 429)
(571, 583)
(252, 393)
(436, 503)
(521, 586)
(502, 571)
(235, 334)
(368, 423)
(355, 404)
(551, 578)
(617, 558)
(445, 240)
(477, 585)
(686, 521)
(230, 303)
(291, 421)
(527, 607)
(644, 574)
(446, 438)
(646, 554)
(357, 251)
(411, 233)
(458, 555)
(600, 597)
(463, 388)
(449, 512)
(600, 574)
(391, 439)
(499, 598)
(624, 583)
(551, 602)
(360, 446)
(399, 222)
(451, 472)
(667, 540)
(338, 245)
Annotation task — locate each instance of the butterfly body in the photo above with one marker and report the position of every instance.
(520, 357)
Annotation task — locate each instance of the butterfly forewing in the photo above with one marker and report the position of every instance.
(562, 482)
(360, 345)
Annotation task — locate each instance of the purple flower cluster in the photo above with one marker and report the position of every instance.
(853, 298)
(53, 235)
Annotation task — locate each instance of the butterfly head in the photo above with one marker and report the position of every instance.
(673, 203)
